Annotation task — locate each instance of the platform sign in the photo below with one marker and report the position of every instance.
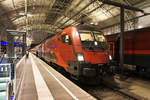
(4, 43)
(5, 73)
(5, 70)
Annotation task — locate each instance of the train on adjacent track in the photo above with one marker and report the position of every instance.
(136, 49)
(80, 50)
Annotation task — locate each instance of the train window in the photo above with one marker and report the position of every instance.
(91, 36)
(66, 39)
(86, 37)
(99, 37)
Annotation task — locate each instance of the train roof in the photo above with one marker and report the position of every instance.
(85, 27)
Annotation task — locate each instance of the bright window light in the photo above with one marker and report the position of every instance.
(21, 13)
(140, 26)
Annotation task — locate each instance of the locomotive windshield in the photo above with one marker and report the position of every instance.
(86, 37)
(92, 40)
(99, 38)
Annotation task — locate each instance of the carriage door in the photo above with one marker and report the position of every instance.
(66, 48)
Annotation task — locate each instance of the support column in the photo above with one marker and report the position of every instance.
(26, 19)
(24, 45)
(122, 38)
(10, 47)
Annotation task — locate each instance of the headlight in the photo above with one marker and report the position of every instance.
(110, 57)
(80, 57)
(96, 43)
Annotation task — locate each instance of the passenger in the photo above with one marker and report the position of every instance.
(27, 54)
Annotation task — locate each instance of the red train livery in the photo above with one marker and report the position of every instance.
(136, 48)
(81, 51)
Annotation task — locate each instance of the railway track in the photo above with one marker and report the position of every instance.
(102, 92)
(107, 91)
(124, 95)
(121, 88)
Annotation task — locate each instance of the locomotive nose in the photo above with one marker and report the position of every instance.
(89, 72)
(96, 57)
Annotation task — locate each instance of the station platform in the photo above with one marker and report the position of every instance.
(36, 80)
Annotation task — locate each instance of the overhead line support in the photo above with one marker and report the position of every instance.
(122, 8)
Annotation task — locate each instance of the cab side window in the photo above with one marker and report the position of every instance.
(66, 39)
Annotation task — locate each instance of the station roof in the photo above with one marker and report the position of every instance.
(46, 17)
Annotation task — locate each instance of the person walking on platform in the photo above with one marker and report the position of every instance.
(27, 54)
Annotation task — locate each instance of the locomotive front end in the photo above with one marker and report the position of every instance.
(91, 54)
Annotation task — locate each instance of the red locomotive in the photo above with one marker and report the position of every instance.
(136, 48)
(81, 51)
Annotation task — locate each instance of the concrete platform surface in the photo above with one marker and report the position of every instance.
(36, 80)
